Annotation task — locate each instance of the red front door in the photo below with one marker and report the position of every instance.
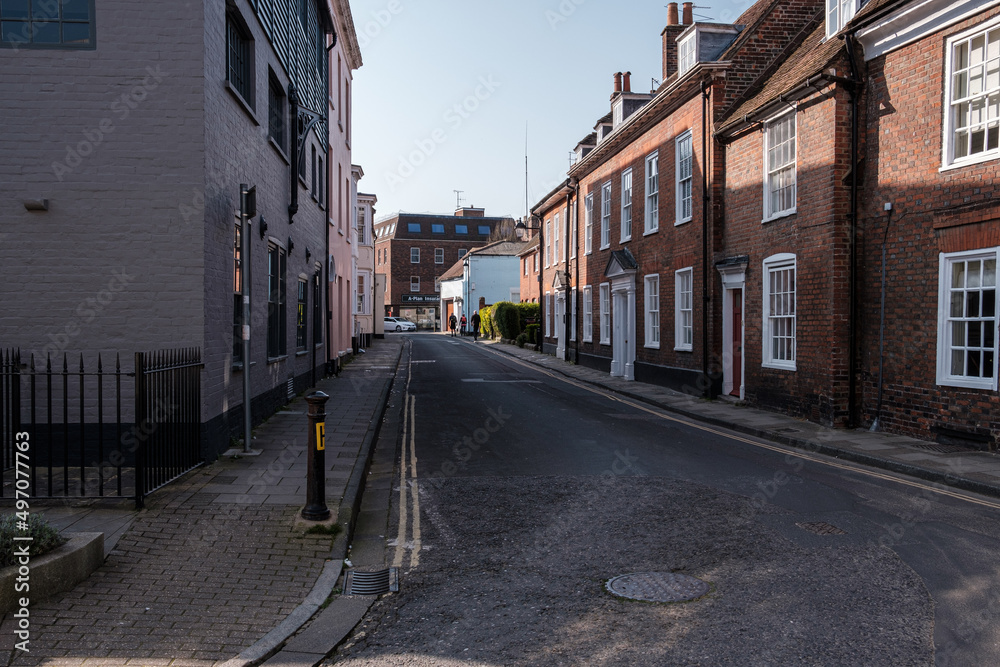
(737, 369)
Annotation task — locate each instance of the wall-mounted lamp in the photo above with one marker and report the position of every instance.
(291, 244)
(263, 227)
(36, 204)
(308, 254)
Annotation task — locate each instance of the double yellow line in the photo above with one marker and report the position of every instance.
(408, 480)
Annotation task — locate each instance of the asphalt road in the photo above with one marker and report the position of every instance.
(521, 494)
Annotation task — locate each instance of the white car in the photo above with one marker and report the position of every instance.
(399, 324)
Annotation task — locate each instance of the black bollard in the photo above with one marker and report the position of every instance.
(316, 509)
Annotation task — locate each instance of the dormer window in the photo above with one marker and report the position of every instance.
(838, 14)
(617, 116)
(687, 52)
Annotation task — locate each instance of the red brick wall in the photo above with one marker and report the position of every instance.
(934, 212)
(817, 234)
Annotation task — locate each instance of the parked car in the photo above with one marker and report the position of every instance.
(399, 324)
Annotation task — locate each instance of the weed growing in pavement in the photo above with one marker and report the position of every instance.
(333, 529)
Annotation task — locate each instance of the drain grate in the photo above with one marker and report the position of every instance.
(658, 587)
(371, 583)
(945, 449)
(821, 528)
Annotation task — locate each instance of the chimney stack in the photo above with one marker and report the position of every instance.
(670, 34)
(688, 17)
(618, 82)
(627, 82)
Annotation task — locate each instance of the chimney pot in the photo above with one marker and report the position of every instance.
(627, 82)
(688, 13)
(618, 82)
(672, 13)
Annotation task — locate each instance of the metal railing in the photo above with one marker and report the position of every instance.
(85, 440)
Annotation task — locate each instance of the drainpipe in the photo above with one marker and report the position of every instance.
(704, 237)
(293, 148)
(852, 342)
(569, 292)
(576, 266)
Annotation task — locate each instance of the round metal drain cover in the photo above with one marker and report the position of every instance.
(658, 587)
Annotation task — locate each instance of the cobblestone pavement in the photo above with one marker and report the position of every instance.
(213, 563)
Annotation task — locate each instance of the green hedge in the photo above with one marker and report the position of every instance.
(507, 319)
(532, 333)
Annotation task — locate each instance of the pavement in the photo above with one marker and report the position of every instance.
(217, 569)
(947, 465)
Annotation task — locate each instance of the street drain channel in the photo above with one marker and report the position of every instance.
(371, 583)
(821, 528)
(658, 587)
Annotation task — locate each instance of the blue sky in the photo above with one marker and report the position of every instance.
(449, 87)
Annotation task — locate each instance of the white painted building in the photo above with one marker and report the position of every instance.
(483, 277)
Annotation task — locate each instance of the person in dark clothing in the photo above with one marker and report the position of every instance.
(462, 324)
(452, 323)
(475, 326)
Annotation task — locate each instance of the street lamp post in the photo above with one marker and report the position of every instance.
(541, 272)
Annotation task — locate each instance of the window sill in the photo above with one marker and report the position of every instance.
(279, 149)
(964, 383)
(243, 103)
(678, 223)
(301, 353)
(684, 348)
(605, 247)
(274, 360)
(651, 231)
(970, 162)
(652, 346)
(778, 216)
(778, 366)
(605, 342)
(625, 240)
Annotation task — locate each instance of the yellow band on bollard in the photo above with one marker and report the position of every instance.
(320, 436)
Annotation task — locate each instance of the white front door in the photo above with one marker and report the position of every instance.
(559, 321)
(623, 330)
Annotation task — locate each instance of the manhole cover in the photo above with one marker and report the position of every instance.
(658, 587)
(371, 583)
(821, 528)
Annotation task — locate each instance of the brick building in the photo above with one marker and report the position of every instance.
(644, 205)
(128, 131)
(413, 250)
(932, 98)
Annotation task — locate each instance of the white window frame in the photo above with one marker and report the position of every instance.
(687, 53)
(525, 266)
(685, 177)
(548, 242)
(606, 216)
(838, 14)
(775, 263)
(626, 219)
(951, 114)
(555, 240)
(588, 224)
(772, 172)
(439, 255)
(363, 285)
(605, 305)
(414, 255)
(652, 212)
(651, 319)
(548, 314)
(946, 321)
(588, 314)
(574, 236)
(572, 315)
(414, 283)
(684, 309)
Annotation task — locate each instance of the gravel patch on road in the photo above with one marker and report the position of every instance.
(513, 572)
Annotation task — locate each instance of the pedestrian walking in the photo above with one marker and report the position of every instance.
(475, 326)
(463, 323)
(452, 323)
